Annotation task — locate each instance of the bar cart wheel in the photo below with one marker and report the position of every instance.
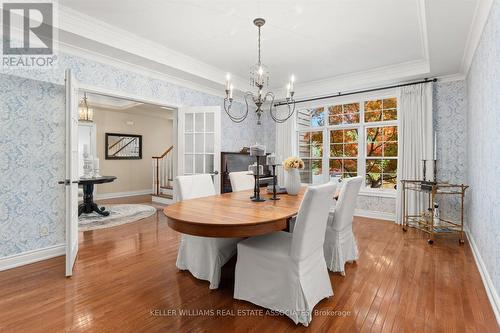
(430, 241)
(461, 241)
(405, 229)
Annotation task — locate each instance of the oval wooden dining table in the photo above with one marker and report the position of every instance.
(233, 214)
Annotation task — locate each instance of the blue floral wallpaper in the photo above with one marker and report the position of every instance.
(32, 160)
(450, 124)
(483, 158)
(32, 141)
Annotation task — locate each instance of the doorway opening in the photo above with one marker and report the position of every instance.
(126, 159)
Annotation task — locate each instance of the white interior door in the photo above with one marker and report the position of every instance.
(72, 177)
(199, 141)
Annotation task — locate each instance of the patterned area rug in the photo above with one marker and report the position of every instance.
(119, 214)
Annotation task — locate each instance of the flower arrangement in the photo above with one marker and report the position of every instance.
(293, 163)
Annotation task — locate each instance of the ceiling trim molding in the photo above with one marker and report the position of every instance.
(137, 69)
(422, 20)
(452, 77)
(481, 13)
(359, 80)
(88, 27)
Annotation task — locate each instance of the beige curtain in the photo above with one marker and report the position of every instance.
(286, 138)
(415, 142)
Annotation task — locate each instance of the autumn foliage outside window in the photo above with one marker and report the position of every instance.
(360, 138)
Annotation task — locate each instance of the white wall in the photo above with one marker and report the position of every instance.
(132, 175)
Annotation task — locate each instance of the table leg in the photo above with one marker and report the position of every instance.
(88, 206)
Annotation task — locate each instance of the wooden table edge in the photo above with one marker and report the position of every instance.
(227, 230)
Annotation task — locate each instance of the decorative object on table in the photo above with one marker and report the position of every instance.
(85, 113)
(279, 189)
(272, 162)
(259, 76)
(430, 220)
(428, 184)
(88, 163)
(292, 176)
(96, 168)
(89, 206)
(123, 146)
(118, 215)
(256, 169)
(258, 151)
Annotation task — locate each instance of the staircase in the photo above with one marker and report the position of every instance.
(163, 176)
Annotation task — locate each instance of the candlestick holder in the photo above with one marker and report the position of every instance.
(274, 197)
(427, 185)
(256, 190)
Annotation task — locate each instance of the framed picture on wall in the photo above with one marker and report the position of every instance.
(123, 146)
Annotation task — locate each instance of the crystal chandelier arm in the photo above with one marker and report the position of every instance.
(290, 102)
(227, 108)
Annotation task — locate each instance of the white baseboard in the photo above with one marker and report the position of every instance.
(113, 195)
(32, 256)
(485, 276)
(372, 214)
(165, 201)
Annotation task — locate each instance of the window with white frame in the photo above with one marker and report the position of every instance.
(350, 139)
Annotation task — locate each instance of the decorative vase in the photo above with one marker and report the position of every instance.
(292, 181)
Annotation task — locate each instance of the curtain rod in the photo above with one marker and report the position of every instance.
(339, 94)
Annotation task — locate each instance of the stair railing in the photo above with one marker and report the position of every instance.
(163, 171)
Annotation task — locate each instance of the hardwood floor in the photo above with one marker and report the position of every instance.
(125, 280)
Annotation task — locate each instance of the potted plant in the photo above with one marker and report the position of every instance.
(292, 176)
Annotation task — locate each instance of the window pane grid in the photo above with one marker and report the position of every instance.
(347, 154)
(381, 110)
(381, 157)
(343, 114)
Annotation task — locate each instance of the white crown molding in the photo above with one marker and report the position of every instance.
(90, 28)
(141, 70)
(113, 37)
(485, 277)
(481, 13)
(359, 80)
(32, 256)
(422, 20)
(452, 77)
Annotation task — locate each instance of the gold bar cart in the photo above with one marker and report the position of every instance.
(424, 220)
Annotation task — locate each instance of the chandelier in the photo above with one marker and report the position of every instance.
(85, 113)
(259, 77)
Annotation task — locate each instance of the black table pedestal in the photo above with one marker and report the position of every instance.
(88, 206)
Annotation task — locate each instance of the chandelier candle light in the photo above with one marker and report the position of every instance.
(259, 77)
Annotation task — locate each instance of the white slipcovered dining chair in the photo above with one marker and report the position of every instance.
(241, 180)
(340, 243)
(286, 272)
(203, 257)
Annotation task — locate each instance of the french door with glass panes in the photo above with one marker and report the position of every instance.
(199, 142)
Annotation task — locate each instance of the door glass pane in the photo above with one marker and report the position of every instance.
(198, 143)
(198, 163)
(209, 163)
(209, 143)
(209, 122)
(189, 122)
(199, 126)
(188, 164)
(188, 138)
